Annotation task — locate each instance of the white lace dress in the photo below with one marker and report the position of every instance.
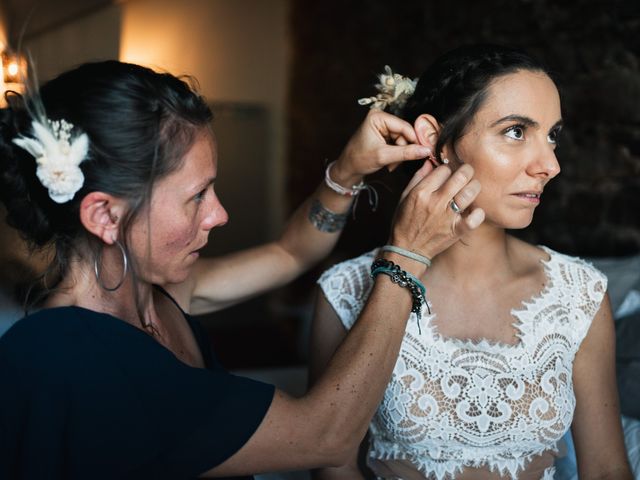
(453, 403)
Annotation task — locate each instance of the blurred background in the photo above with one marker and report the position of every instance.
(283, 77)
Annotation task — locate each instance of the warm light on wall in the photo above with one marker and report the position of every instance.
(14, 68)
(14, 74)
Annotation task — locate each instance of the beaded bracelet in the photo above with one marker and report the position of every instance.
(403, 279)
(336, 187)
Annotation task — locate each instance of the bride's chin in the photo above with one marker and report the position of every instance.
(512, 223)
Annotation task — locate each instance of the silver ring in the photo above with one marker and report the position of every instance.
(454, 206)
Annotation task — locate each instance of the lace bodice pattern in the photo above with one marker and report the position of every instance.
(454, 403)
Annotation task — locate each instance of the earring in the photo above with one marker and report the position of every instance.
(125, 265)
(445, 161)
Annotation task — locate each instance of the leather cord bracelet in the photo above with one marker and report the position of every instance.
(405, 280)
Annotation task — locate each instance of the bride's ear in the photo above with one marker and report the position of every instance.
(427, 130)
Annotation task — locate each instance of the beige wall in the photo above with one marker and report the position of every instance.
(91, 37)
(237, 50)
(3, 26)
(3, 39)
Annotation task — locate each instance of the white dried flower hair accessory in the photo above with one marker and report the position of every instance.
(58, 158)
(394, 91)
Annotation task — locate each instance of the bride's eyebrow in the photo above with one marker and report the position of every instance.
(558, 124)
(529, 122)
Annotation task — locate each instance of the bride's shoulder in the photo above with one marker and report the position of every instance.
(532, 257)
(357, 265)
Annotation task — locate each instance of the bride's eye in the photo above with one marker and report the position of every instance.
(515, 131)
(553, 136)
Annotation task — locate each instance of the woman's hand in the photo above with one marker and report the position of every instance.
(425, 221)
(381, 140)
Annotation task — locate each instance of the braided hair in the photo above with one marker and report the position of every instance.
(454, 87)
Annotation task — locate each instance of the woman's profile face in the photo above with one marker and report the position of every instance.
(183, 209)
(511, 145)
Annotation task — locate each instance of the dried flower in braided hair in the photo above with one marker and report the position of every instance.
(394, 90)
(58, 156)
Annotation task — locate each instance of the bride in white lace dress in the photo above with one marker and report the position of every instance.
(516, 342)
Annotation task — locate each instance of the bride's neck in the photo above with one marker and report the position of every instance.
(482, 253)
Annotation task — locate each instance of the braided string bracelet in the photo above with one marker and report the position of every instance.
(353, 191)
(336, 187)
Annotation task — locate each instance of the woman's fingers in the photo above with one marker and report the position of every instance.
(467, 195)
(390, 154)
(459, 179)
(467, 222)
(422, 172)
(425, 221)
(398, 140)
(390, 126)
(382, 140)
(474, 219)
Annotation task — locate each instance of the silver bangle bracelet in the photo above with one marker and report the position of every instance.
(406, 253)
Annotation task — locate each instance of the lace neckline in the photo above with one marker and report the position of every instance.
(519, 314)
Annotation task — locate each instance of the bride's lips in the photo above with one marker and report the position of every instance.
(532, 196)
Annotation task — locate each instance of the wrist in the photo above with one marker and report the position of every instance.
(415, 256)
(342, 176)
(416, 269)
(404, 279)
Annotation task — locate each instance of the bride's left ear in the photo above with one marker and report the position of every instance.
(427, 130)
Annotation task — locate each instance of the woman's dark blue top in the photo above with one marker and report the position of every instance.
(86, 395)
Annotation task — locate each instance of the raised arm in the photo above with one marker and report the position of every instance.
(323, 427)
(596, 428)
(313, 229)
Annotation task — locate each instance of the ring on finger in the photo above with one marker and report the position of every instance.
(454, 206)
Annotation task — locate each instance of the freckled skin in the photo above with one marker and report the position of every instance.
(183, 210)
(505, 165)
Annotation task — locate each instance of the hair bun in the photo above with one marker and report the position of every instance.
(19, 189)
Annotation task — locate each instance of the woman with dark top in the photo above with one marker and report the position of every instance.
(112, 167)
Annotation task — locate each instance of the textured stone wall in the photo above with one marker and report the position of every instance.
(593, 46)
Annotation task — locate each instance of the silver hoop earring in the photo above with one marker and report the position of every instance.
(125, 266)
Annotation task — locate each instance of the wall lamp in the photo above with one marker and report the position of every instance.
(14, 68)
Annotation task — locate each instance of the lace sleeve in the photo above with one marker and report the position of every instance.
(586, 287)
(347, 285)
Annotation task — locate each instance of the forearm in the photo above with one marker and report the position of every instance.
(306, 238)
(224, 281)
(350, 389)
